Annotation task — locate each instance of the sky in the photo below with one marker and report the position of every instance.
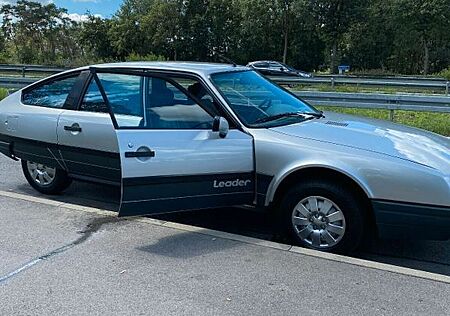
(78, 8)
(105, 8)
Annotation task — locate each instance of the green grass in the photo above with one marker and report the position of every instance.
(435, 122)
(3, 93)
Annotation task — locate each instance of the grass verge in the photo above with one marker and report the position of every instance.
(435, 122)
(3, 93)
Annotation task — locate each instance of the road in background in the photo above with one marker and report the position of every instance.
(431, 256)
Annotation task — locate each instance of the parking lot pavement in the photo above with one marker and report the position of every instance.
(431, 256)
(95, 263)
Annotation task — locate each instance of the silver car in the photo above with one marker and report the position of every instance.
(182, 136)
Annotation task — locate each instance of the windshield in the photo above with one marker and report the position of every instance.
(254, 99)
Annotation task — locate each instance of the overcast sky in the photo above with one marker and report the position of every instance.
(105, 8)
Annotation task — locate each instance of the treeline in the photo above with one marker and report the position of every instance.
(399, 36)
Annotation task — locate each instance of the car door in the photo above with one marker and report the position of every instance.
(86, 136)
(170, 158)
(32, 125)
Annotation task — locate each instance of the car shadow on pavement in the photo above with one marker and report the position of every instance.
(185, 245)
(430, 256)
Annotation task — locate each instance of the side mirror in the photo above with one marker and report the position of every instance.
(220, 125)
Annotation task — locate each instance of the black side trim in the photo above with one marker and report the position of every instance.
(262, 185)
(6, 149)
(150, 195)
(408, 220)
(80, 161)
(137, 208)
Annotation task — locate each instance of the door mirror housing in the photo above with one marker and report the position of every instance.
(221, 126)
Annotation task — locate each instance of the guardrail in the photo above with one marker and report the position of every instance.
(432, 83)
(391, 102)
(23, 69)
(332, 80)
(14, 83)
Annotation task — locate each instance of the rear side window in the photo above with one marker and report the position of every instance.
(52, 94)
(93, 100)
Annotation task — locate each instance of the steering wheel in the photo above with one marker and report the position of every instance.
(265, 104)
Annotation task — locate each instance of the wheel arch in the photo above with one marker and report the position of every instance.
(285, 182)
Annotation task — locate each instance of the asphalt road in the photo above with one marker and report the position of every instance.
(74, 262)
(431, 256)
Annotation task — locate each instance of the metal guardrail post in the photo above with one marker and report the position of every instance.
(447, 87)
(332, 82)
(23, 72)
(391, 115)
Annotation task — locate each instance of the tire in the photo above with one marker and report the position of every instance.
(45, 179)
(310, 226)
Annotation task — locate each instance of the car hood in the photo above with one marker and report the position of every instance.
(378, 136)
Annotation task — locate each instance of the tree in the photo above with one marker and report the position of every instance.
(38, 32)
(93, 36)
(427, 21)
(334, 18)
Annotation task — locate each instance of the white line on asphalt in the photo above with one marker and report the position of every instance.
(17, 271)
(249, 240)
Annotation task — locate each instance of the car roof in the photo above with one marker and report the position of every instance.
(200, 68)
(264, 61)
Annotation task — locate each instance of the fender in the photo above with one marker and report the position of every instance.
(301, 165)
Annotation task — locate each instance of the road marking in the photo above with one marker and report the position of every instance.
(224, 235)
(17, 271)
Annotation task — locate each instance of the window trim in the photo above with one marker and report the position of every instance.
(48, 81)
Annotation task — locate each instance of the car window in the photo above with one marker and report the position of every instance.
(52, 94)
(124, 96)
(196, 89)
(168, 107)
(93, 100)
(149, 102)
(275, 65)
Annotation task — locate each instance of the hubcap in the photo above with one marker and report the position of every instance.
(41, 174)
(319, 222)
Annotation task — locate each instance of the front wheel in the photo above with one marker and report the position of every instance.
(47, 180)
(322, 215)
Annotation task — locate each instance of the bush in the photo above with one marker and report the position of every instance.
(3, 93)
(149, 57)
(445, 74)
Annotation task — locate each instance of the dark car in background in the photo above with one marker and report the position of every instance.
(275, 68)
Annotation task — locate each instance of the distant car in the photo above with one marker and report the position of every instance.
(275, 68)
(182, 136)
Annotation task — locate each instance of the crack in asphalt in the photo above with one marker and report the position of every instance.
(91, 228)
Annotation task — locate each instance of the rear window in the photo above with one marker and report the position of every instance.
(52, 94)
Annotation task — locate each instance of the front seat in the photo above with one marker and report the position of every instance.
(160, 97)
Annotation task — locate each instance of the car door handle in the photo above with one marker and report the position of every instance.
(73, 128)
(139, 154)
